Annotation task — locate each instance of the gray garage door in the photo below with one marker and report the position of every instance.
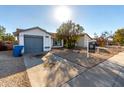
(33, 44)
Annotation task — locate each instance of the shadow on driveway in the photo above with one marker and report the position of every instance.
(106, 74)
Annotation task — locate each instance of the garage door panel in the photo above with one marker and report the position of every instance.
(33, 44)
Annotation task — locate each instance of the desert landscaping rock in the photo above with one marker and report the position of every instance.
(51, 58)
(79, 58)
(17, 80)
(12, 71)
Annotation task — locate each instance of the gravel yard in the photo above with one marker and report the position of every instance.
(12, 71)
(79, 56)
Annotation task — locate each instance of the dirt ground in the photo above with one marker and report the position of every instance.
(79, 56)
(12, 71)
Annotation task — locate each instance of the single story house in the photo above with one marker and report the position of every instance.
(82, 42)
(37, 40)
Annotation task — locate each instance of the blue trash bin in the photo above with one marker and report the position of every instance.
(17, 49)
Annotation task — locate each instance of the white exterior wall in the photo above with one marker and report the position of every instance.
(86, 38)
(46, 41)
(82, 42)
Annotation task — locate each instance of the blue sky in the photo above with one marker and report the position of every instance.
(92, 18)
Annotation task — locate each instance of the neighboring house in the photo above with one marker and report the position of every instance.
(82, 42)
(109, 40)
(37, 40)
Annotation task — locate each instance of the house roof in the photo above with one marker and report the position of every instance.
(54, 35)
(23, 30)
(88, 35)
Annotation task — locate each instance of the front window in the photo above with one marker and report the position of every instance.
(57, 42)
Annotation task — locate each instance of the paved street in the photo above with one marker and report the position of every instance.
(107, 74)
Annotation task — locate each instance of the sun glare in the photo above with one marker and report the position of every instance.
(62, 13)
